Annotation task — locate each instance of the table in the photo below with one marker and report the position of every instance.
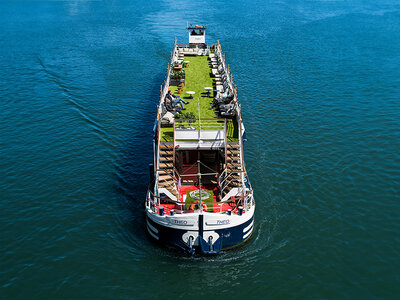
(208, 89)
(191, 93)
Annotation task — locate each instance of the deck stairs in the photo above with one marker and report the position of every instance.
(166, 178)
(231, 179)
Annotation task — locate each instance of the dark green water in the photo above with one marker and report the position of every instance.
(319, 83)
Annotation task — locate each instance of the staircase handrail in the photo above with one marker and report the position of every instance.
(173, 178)
(237, 198)
(221, 175)
(171, 185)
(176, 173)
(223, 181)
(170, 175)
(228, 174)
(227, 184)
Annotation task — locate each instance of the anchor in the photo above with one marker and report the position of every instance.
(209, 247)
(189, 247)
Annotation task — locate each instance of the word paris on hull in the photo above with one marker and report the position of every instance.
(199, 199)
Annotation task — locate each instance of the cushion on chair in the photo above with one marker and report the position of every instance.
(168, 118)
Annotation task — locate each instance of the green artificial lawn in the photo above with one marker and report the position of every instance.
(198, 76)
(167, 134)
(205, 201)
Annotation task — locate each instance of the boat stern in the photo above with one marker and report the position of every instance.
(201, 232)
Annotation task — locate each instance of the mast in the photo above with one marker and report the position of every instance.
(198, 108)
(199, 175)
(198, 161)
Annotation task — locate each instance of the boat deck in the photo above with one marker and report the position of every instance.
(211, 206)
(198, 76)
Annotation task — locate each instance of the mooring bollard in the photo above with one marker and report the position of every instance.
(240, 212)
(161, 211)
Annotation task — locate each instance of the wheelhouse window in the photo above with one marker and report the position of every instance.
(197, 32)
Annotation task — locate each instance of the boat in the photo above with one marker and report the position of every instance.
(199, 198)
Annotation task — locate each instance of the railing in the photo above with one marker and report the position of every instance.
(223, 181)
(195, 125)
(172, 185)
(174, 180)
(229, 79)
(158, 140)
(205, 124)
(153, 202)
(200, 130)
(191, 46)
(165, 86)
(225, 178)
(222, 175)
(226, 181)
(226, 145)
(177, 176)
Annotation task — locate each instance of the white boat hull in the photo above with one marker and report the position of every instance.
(203, 232)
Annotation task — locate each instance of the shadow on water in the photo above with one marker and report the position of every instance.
(132, 173)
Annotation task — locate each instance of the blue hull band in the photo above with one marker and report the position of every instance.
(228, 237)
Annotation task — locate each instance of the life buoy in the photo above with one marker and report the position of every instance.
(197, 203)
(194, 204)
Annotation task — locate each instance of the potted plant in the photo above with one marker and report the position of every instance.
(178, 65)
(179, 116)
(191, 118)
